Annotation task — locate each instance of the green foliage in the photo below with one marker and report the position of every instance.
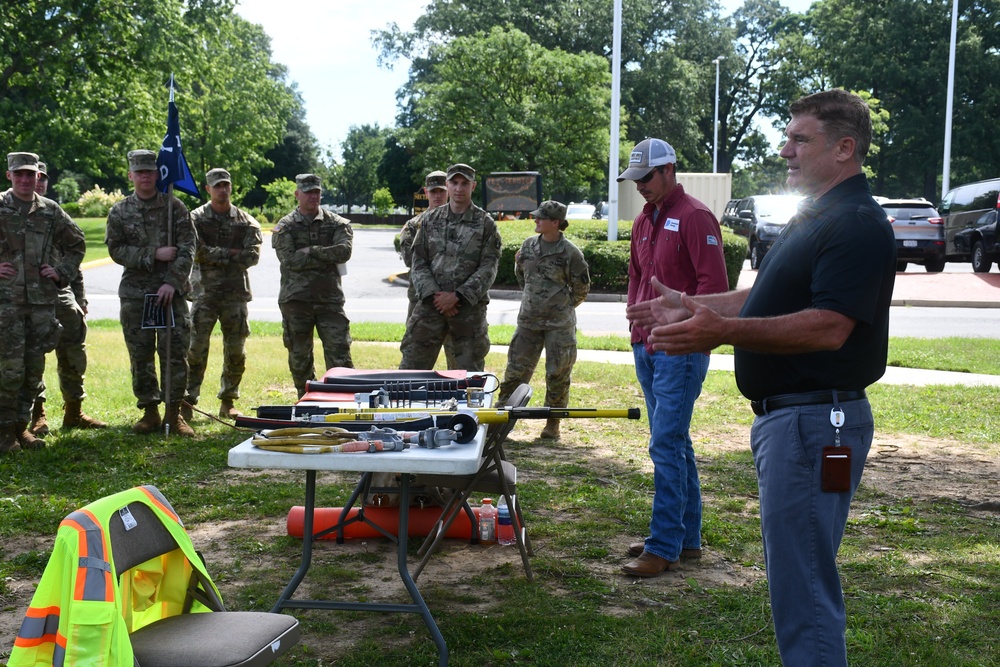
(520, 107)
(362, 151)
(608, 261)
(96, 203)
(382, 201)
(84, 80)
(280, 196)
(72, 209)
(67, 188)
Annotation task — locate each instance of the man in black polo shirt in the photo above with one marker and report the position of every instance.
(810, 336)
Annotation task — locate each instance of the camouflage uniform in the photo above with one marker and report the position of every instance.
(135, 229)
(406, 236)
(452, 253)
(221, 292)
(555, 280)
(311, 295)
(31, 234)
(71, 352)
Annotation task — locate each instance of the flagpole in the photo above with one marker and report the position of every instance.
(170, 315)
(168, 371)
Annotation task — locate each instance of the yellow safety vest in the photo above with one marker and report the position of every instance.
(81, 615)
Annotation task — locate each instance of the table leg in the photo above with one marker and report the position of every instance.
(404, 571)
(307, 542)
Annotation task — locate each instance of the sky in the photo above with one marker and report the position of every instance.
(326, 46)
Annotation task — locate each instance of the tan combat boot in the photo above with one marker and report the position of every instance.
(8, 439)
(75, 417)
(227, 410)
(551, 430)
(178, 426)
(39, 424)
(150, 422)
(26, 437)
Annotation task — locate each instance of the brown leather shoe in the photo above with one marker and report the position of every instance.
(39, 425)
(636, 549)
(648, 565)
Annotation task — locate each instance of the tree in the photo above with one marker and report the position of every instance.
(499, 102)
(382, 202)
(362, 152)
(901, 58)
(82, 82)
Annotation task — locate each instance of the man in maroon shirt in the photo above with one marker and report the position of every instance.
(677, 239)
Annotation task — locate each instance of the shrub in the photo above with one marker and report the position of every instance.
(72, 209)
(96, 203)
(382, 202)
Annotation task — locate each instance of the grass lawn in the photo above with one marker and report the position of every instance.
(920, 560)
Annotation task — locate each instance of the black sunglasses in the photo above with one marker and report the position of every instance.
(648, 177)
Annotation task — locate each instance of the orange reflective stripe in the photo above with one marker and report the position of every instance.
(40, 625)
(160, 501)
(93, 579)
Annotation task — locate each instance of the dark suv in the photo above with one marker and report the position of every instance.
(919, 232)
(760, 219)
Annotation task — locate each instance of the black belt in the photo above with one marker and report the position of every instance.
(773, 403)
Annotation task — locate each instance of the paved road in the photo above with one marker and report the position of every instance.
(372, 298)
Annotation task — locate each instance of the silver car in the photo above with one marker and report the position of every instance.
(919, 232)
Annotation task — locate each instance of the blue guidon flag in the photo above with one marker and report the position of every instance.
(173, 167)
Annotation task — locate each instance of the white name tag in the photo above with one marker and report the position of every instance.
(672, 224)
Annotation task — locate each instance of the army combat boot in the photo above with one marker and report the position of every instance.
(39, 423)
(75, 417)
(178, 426)
(150, 422)
(26, 437)
(551, 430)
(187, 411)
(227, 410)
(8, 439)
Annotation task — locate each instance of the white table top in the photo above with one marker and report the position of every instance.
(454, 459)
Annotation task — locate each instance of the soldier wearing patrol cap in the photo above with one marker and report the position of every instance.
(436, 189)
(71, 351)
(40, 252)
(456, 253)
(554, 279)
(313, 246)
(156, 263)
(229, 241)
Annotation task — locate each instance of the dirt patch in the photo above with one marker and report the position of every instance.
(898, 466)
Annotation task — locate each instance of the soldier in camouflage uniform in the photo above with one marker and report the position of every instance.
(160, 264)
(436, 189)
(71, 351)
(555, 280)
(313, 246)
(456, 253)
(229, 241)
(40, 252)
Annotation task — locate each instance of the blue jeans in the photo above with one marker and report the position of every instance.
(671, 385)
(802, 526)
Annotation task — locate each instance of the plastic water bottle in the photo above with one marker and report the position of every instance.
(505, 526)
(487, 522)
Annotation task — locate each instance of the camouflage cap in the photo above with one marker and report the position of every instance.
(142, 160)
(308, 183)
(646, 156)
(43, 170)
(463, 169)
(19, 161)
(550, 210)
(436, 180)
(216, 176)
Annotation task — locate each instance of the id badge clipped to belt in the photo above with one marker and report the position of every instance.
(836, 460)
